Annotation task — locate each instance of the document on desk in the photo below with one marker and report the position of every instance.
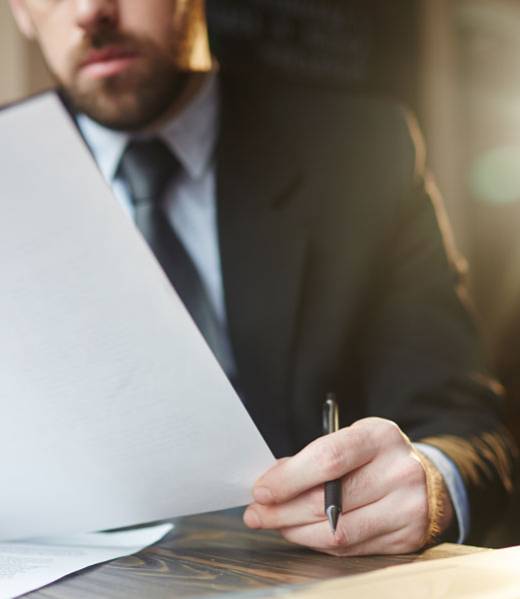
(113, 409)
(29, 565)
(487, 575)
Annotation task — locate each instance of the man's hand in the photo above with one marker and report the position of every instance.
(386, 507)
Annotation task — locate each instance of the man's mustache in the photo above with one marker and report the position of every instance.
(101, 39)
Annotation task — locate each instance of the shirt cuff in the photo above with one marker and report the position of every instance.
(454, 484)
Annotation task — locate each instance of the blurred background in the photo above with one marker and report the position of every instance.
(456, 63)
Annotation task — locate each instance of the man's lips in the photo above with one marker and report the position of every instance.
(107, 62)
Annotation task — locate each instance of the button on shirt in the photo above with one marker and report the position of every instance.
(190, 204)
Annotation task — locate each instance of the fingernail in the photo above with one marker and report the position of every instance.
(262, 495)
(251, 518)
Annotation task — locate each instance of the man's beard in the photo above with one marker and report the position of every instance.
(131, 100)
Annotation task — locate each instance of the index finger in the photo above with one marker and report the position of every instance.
(327, 458)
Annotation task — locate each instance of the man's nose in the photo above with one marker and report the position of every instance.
(90, 14)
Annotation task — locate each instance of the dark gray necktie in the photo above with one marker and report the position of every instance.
(148, 167)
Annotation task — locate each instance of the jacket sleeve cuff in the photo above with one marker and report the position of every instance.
(454, 484)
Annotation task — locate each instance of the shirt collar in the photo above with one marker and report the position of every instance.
(191, 135)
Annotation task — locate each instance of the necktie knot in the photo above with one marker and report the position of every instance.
(147, 166)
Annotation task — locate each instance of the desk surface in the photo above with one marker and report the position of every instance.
(214, 554)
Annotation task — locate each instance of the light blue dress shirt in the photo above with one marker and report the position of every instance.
(191, 209)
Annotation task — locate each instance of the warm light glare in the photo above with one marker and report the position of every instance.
(495, 175)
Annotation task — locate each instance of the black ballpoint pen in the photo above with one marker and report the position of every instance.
(332, 488)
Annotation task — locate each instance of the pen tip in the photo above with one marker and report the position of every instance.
(333, 516)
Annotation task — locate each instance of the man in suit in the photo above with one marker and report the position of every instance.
(299, 229)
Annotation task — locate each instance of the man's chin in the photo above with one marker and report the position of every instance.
(122, 104)
(122, 112)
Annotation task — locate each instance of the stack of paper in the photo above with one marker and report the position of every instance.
(29, 565)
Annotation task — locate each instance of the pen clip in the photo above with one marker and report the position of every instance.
(330, 415)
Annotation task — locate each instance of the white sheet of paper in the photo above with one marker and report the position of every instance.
(113, 409)
(487, 575)
(29, 565)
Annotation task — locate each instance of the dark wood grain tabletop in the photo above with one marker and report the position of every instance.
(214, 554)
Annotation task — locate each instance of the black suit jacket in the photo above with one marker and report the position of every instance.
(340, 275)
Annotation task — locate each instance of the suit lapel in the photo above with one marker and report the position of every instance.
(263, 240)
